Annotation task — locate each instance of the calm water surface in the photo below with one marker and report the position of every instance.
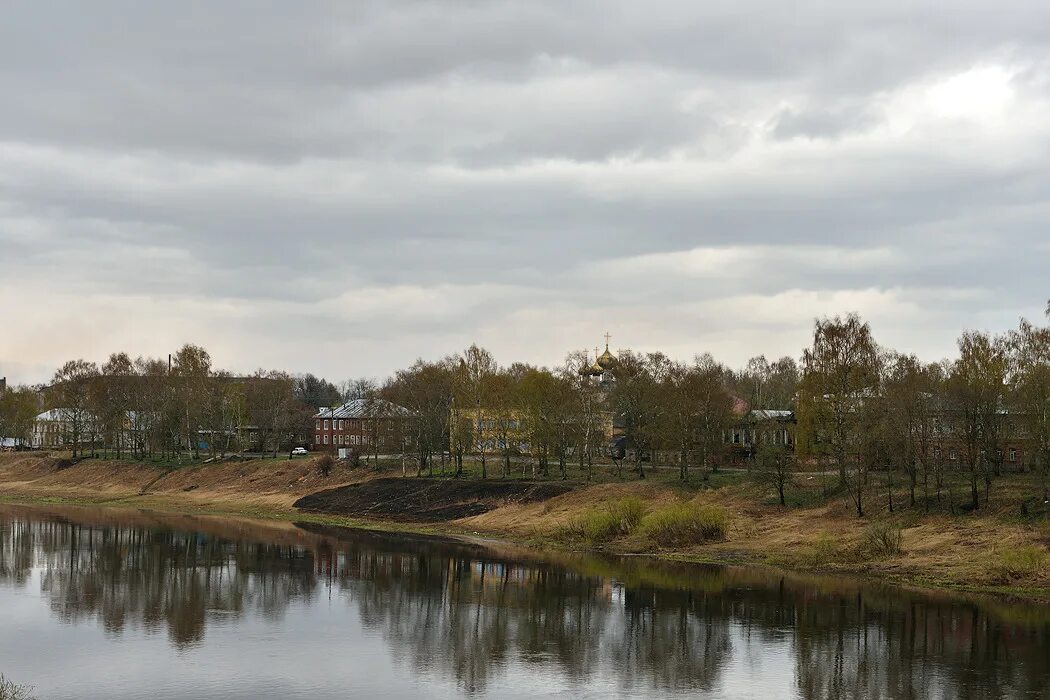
(119, 604)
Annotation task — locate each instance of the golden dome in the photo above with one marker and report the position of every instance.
(606, 360)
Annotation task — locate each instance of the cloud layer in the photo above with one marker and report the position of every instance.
(341, 188)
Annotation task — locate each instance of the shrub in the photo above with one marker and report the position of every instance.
(607, 523)
(882, 539)
(12, 691)
(686, 523)
(325, 464)
(1010, 563)
(1043, 530)
(821, 551)
(629, 512)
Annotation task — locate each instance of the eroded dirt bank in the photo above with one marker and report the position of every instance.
(241, 485)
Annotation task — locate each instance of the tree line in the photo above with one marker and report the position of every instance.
(544, 420)
(149, 407)
(862, 410)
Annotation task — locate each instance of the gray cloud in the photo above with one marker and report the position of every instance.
(343, 187)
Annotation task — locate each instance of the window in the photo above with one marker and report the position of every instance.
(318, 425)
(326, 439)
(326, 425)
(937, 451)
(317, 439)
(952, 455)
(1013, 454)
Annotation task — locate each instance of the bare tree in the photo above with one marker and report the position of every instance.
(590, 418)
(19, 407)
(840, 371)
(479, 368)
(774, 466)
(637, 399)
(426, 390)
(1029, 361)
(70, 394)
(977, 388)
(116, 391)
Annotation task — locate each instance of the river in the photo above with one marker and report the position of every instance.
(114, 604)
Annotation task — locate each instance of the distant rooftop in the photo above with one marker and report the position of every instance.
(363, 408)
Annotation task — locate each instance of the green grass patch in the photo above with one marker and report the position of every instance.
(1011, 563)
(686, 523)
(606, 523)
(824, 550)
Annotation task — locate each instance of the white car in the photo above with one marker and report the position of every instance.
(299, 451)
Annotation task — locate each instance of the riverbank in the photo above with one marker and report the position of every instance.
(992, 552)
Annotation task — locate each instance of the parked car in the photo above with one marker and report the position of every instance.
(299, 451)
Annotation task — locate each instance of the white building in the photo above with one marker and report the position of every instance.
(57, 427)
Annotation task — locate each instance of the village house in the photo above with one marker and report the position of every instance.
(61, 427)
(761, 427)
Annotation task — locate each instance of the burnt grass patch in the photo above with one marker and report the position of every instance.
(426, 500)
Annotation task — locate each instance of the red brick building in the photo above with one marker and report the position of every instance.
(361, 423)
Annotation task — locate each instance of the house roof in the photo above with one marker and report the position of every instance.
(770, 414)
(363, 408)
(55, 414)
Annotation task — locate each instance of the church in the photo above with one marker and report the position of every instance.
(602, 367)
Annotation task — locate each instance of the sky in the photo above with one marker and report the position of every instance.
(341, 188)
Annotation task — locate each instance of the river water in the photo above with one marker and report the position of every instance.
(108, 604)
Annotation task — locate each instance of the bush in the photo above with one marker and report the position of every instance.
(882, 539)
(600, 525)
(11, 691)
(325, 464)
(1043, 530)
(686, 523)
(1011, 563)
(823, 550)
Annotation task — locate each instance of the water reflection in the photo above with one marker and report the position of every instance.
(473, 613)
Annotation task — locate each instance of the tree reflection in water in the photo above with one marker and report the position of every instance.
(472, 612)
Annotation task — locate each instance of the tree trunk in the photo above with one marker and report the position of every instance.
(974, 495)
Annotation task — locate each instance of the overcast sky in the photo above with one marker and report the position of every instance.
(344, 187)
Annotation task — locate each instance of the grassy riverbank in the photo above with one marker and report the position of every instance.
(728, 518)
